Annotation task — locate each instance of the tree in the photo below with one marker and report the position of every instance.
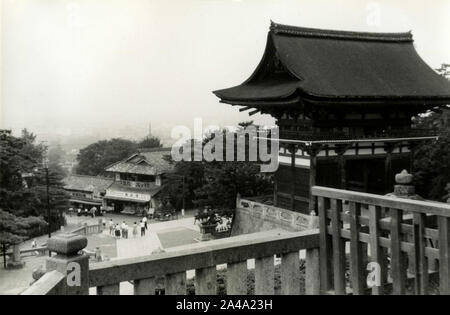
(189, 174)
(432, 158)
(22, 179)
(93, 159)
(18, 160)
(216, 183)
(59, 198)
(150, 142)
(14, 230)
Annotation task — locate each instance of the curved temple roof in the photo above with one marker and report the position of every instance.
(338, 66)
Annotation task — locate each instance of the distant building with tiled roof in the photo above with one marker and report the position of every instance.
(86, 191)
(145, 162)
(137, 180)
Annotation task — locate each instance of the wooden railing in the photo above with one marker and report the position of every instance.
(405, 239)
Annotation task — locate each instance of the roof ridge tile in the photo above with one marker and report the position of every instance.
(339, 34)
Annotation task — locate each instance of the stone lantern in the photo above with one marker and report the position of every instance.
(404, 187)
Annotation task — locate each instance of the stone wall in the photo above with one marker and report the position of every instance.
(252, 217)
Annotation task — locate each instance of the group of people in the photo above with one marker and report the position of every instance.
(121, 230)
(93, 212)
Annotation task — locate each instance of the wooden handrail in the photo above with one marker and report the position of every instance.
(428, 207)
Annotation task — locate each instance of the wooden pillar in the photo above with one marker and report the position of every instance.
(388, 173)
(388, 178)
(343, 173)
(292, 149)
(340, 149)
(312, 177)
(444, 255)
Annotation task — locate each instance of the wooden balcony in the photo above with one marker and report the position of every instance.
(394, 135)
(403, 243)
(136, 184)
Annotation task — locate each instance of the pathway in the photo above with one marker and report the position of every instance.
(174, 233)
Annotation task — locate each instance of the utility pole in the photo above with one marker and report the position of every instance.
(47, 182)
(48, 203)
(184, 208)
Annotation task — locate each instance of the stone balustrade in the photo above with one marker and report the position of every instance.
(253, 216)
(86, 229)
(201, 257)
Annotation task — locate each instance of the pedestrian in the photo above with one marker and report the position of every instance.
(33, 244)
(144, 219)
(135, 230)
(104, 223)
(142, 228)
(117, 231)
(123, 227)
(125, 231)
(111, 227)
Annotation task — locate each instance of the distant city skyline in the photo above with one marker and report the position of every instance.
(105, 68)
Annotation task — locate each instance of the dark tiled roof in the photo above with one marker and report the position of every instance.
(87, 183)
(151, 162)
(338, 65)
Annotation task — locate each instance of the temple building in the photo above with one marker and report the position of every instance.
(86, 191)
(137, 181)
(343, 102)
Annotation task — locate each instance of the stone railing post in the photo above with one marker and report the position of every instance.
(16, 260)
(100, 225)
(69, 262)
(238, 200)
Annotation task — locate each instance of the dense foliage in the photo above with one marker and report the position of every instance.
(93, 159)
(215, 184)
(432, 158)
(23, 179)
(23, 195)
(14, 230)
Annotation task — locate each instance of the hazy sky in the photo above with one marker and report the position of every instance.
(70, 62)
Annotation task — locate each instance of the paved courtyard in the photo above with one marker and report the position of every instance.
(159, 236)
